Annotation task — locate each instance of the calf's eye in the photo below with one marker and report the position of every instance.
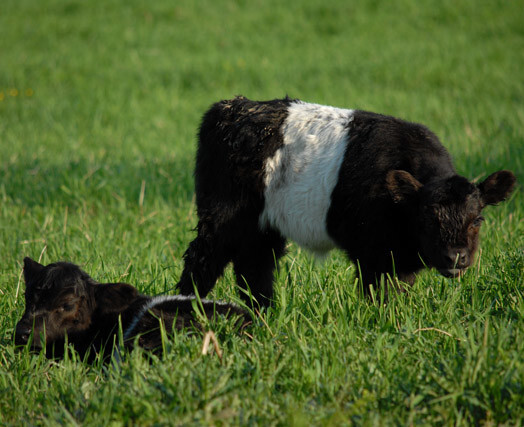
(66, 307)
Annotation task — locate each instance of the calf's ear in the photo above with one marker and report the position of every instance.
(401, 185)
(32, 270)
(115, 297)
(497, 187)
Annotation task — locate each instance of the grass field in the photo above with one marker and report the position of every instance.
(99, 106)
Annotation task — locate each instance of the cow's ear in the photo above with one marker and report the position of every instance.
(32, 270)
(401, 185)
(497, 187)
(115, 297)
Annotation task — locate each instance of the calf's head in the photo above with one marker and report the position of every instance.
(449, 214)
(62, 301)
(59, 301)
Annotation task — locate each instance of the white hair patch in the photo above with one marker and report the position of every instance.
(160, 300)
(302, 174)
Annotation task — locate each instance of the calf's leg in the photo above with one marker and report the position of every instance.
(255, 262)
(204, 261)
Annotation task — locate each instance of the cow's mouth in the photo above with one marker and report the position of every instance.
(451, 272)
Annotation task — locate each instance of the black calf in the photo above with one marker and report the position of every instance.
(63, 302)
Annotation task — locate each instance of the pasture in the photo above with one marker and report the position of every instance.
(100, 103)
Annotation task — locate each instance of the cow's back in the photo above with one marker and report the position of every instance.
(235, 138)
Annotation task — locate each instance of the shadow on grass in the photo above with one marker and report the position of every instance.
(37, 183)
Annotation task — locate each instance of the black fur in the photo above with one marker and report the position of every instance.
(64, 303)
(236, 137)
(398, 203)
(365, 218)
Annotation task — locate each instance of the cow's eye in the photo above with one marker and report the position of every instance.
(66, 307)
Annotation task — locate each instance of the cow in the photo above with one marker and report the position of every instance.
(63, 304)
(381, 189)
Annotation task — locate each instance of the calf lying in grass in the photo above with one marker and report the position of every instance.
(64, 303)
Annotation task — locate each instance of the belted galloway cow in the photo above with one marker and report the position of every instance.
(382, 189)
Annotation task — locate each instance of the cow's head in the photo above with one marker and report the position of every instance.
(59, 301)
(449, 214)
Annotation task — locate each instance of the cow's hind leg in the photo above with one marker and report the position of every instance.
(204, 261)
(254, 264)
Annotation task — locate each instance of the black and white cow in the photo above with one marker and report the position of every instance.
(62, 303)
(382, 189)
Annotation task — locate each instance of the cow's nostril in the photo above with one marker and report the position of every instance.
(463, 259)
(458, 258)
(21, 339)
(22, 335)
(450, 258)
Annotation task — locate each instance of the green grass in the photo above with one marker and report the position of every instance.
(99, 106)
